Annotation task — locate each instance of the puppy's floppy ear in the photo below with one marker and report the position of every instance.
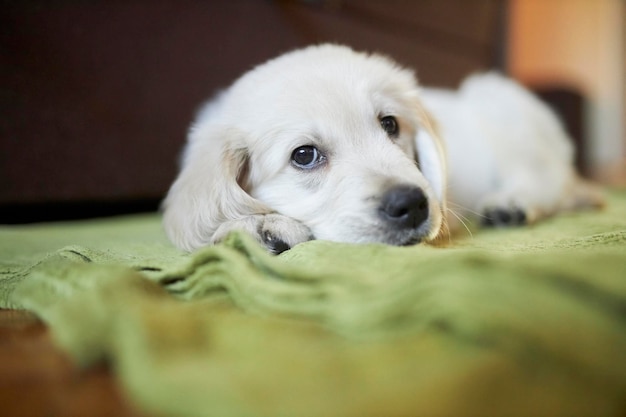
(206, 192)
(432, 154)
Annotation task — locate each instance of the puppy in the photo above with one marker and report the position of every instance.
(329, 143)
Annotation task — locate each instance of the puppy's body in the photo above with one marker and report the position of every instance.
(509, 158)
(332, 144)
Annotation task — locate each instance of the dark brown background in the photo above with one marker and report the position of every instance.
(96, 96)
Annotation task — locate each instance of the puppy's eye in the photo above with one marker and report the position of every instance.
(307, 157)
(390, 125)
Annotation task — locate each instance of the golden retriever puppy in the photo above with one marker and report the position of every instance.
(328, 143)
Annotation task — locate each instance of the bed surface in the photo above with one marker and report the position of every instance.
(528, 321)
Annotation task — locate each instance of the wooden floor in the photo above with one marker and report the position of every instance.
(36, 379)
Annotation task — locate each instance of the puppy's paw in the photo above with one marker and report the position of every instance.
(279, 233)
(503, 217)
(276, 232)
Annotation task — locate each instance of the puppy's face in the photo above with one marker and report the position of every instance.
(330, 141)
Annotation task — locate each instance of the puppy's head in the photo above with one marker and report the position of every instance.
(335, 139)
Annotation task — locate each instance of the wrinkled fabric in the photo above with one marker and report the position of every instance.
(528, 321)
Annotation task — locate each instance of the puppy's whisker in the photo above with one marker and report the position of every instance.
(450, 187)
(448, 231)
(467, 219)
(461, 220)
(466, 209)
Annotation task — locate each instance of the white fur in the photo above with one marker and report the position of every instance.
(505, 150)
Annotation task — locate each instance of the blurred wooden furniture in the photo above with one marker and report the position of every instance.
(36, 379)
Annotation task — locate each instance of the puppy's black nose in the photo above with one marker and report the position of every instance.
(405, 207)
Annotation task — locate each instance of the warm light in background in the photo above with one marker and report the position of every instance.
(578, 44)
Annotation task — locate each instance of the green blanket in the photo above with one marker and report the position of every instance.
(530, 321)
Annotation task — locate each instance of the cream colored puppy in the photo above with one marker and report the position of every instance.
(328, 143)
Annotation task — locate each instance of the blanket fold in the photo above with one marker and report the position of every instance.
(518, 322)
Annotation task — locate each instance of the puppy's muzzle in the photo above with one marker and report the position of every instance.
(404, 207)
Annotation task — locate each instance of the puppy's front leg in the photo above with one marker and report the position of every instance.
(276, 232)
